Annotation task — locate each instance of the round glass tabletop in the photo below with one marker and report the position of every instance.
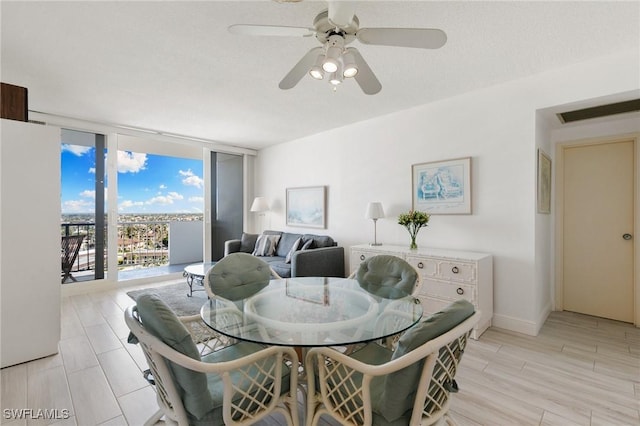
(313, 311)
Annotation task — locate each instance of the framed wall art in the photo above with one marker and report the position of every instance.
(306, 207)
(543, 183)
(442, 187)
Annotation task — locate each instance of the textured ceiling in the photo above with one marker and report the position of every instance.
(173, 67)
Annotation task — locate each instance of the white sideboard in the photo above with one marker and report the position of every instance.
(445, 276)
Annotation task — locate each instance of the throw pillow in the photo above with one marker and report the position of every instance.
(307, 245)
(266, 245)
(294, 248)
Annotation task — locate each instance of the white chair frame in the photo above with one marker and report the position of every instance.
(355, 408)
(158, 354)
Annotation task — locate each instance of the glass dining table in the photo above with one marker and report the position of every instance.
(312, 312)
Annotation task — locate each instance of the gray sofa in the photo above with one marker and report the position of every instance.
(322, 258)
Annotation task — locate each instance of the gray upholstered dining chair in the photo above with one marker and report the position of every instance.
(236, 385)
(237, 276)
(410, 385)
(382, 273)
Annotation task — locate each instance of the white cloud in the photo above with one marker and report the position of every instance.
(92, 170)
(162, 186)
(131, 162)
(165, 199)
(196, 199)
(87, 193)
(128, 204)
(190, 179)
(78, 206)
(78, 150)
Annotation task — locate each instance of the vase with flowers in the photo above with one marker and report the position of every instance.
(413, 220)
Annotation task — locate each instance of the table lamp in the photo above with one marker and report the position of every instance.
(260, 205)
(375, 212)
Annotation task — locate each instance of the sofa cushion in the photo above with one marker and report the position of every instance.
(295, 247)
(320, 241)
(308, 245)
(266, 245)
(286, 243)
(281, 267)
(248, 242)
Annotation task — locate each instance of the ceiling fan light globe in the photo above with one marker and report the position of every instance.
(350, 71)
(330, 65)
(350, 67)
(335, 78)
(316, 72)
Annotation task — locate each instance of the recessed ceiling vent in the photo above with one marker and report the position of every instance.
(600, 111)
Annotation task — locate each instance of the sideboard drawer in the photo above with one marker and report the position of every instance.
(359, 256)
(457, 271)
(449, 291)
(425, 267)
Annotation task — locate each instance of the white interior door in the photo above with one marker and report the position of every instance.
(598, 227)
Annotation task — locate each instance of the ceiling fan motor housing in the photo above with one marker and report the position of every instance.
(325, 29)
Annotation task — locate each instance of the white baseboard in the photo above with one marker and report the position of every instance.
(515, 324)
(77, 288)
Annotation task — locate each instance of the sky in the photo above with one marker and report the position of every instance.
(146, 183)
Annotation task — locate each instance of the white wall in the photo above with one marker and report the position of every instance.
(185, 242)
(497, 127)
(29, 241)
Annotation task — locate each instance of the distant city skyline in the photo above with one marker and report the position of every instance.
(147, 184)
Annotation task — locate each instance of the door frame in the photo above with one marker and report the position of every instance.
(559, 216)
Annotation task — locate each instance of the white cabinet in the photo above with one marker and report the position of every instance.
(29, 241)
(445, 276)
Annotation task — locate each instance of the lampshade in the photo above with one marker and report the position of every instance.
(374, 211)
(260, 204)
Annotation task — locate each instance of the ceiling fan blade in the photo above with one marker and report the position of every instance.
(424, 38)
(300, 69)
(341, 13)
(365, 78)
(271, 30)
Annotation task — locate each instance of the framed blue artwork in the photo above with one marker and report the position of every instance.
(442, 187)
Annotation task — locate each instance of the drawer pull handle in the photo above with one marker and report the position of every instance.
(460, 291)
(420, 265)
(362, 257)
(455, 270)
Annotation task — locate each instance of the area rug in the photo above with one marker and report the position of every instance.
(175, 295)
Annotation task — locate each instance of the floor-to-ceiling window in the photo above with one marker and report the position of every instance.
(159, 207)
(83, 205)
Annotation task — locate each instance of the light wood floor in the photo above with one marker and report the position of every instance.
(580, 370)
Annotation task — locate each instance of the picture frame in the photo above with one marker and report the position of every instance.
(312, 294)
(442, 187)
(543, 183)
(306, 207)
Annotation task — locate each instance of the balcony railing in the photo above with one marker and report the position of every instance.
(140, 244)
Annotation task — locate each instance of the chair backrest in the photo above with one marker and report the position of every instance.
(237, 276)
(236, 385)
(70, 248)
(431, 377)
(385, 271)
(410, 385)
(169, 391)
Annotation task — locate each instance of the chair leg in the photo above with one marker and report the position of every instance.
(449, 420)
(155, 418)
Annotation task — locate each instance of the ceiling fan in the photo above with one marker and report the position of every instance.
(335, 29)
